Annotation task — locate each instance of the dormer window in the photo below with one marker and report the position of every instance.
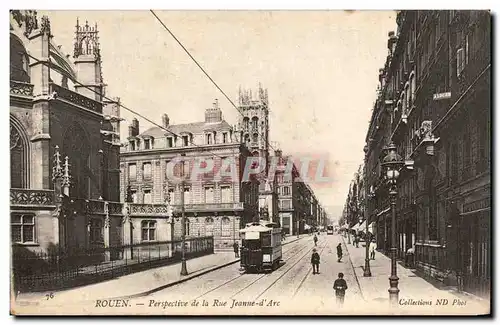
(132, 145)
(147, 144)
(208, 139)
(224, 137)
(170, 142)
(185, 140)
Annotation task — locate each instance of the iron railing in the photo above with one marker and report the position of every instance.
(55, 269)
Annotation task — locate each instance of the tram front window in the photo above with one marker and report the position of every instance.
(251, 244)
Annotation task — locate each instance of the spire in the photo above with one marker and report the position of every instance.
(66, 177)
(86, 40)
(57, 170)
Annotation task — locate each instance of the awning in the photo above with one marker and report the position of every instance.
(307, 227)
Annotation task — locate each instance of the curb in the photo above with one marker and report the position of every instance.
(354, 270)
(145, 293)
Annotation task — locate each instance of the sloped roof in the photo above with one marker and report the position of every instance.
(61, 62)
(194, 128)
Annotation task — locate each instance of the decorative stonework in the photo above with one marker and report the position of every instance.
(21, 88)
(77, 99)
(31, 197)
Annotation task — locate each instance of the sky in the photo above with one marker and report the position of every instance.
(320, 69)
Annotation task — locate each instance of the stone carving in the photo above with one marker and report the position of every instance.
(31, 197)
(78, 99)
(15, 138)
(45, 25)
(21, 88)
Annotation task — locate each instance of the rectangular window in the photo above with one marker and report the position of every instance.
(147, 197)
(22, 228)
(224, 137)
(286, 204)
(132, 145)
(170, 142)
(147, 144)
(148, 230)
(146, 170)
(96, 231)
(286, 190)
(209, 194)
(185, 140)
(132, 172)
(187, 195)
(134, 196)
(225, 193)
(171, 195)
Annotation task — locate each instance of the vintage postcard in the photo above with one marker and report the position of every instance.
(250, 162)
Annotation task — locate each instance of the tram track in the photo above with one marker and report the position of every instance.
(288, 270)
(225, 283)
(307, 274)
(285, 272)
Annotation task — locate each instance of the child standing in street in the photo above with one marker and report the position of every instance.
(340, 286)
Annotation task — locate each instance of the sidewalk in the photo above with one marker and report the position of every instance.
(145, 282)
(412, 287)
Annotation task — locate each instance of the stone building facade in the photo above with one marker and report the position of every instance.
(434, 104)
(159, 168)
(54, 122)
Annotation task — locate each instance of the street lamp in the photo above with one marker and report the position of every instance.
(183, 223)
(392, 165)
(367, 272)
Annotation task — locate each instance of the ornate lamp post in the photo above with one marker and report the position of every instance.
(367, 272)
(392, 165)
(183, 223)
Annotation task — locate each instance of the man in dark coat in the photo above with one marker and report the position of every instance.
(315, 240)
(236, 249)
(315, 261)
(339, 252)
(340, 286)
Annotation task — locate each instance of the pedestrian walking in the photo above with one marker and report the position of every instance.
(236, 249)
(315, 240)
(339, 252)
(357, 241)
(373, 248)
(315, 261)
(340, 286)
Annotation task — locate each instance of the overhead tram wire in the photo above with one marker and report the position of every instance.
(123, 106)
(203, 70)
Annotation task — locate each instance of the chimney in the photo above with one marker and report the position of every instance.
(165, 120)
(133, 129)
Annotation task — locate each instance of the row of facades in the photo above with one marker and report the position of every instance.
(75, 185)
(434, 104)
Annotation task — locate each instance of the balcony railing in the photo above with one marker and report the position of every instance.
(77, 99)
(29, 197)
(21, 88)
(161, 209)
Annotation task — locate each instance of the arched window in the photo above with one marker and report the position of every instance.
(255, 122)
(19, 61)
(247, 137)
(246, 122)
(209, 225)
(255, 138)
(18, 157)
(76, 146)
(226, 227)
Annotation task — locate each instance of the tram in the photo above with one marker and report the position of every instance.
(329, 230)
(260, 246)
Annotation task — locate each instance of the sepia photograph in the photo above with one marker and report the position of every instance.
(250, 162)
